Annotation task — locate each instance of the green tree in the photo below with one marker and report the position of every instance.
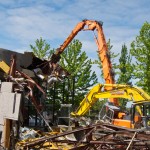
(112, 55)
(125, 70)
(41, 49)
(79, 66)
(140, 49)
(125, 67)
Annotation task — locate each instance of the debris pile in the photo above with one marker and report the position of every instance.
(96, 136)
(102, 134)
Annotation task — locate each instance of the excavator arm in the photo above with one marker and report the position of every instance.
(103, 53)
(118, 91)
(100, 41)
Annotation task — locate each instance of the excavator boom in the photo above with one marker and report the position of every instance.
(100, 41)
(134, 94)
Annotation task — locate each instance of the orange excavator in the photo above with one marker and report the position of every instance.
(103, 52)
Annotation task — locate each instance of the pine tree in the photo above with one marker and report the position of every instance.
(125, 67)
(79, 66)
(140, 49)
(41, 49)
(125, 71)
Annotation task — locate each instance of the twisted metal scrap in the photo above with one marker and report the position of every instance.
(98, 136)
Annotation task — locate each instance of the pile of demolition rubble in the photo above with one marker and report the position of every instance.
(14, 135)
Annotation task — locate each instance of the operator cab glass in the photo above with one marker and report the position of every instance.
(141, 115)
(108, 111)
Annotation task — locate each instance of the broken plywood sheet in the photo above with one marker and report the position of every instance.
(7, 87)
(10, 105)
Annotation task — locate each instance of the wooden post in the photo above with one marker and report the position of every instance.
(7, 127)
(6, 134)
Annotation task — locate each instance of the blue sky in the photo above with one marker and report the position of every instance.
(23, 21)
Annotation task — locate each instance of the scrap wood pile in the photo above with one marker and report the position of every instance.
(96, 136)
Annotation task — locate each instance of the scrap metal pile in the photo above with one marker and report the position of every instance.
(19, 86)
(97, 136)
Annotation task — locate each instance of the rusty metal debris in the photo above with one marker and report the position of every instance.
(48, 70)
(96, 136)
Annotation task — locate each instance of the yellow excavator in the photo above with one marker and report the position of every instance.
(104, 91)
(137, 117)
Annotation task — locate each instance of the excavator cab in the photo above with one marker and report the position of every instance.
(138, 117)
(108, 112)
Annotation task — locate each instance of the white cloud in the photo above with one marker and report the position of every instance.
(22, 22)
(25, 21)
